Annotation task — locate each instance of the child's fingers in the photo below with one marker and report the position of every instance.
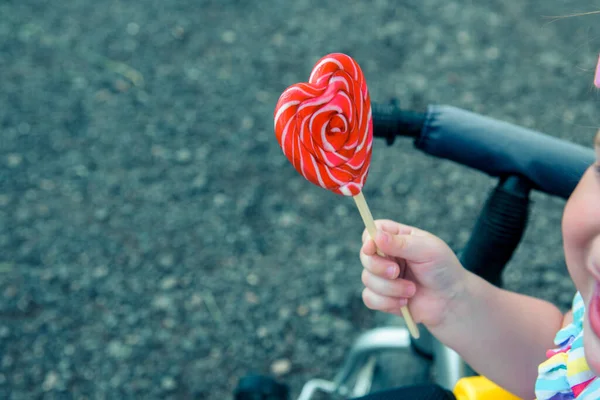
(388, 287)
(378, 302)
(366, 236)
(378, 265)
(389, 226)
(416, 247)
(368, 248)
(393, 227)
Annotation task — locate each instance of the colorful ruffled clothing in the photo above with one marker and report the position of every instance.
(566, 375)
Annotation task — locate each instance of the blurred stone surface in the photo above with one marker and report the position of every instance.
(154, 241)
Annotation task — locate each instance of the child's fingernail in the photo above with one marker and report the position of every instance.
(391, 271)
(382, 236)
(411, 290)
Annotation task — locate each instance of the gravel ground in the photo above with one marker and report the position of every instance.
(154, 241)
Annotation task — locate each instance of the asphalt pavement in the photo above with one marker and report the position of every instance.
(154, 241)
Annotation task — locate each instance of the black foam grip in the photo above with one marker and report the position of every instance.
(390, 121)
(498, 230)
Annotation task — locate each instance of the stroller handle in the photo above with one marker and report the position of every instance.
(500, 149)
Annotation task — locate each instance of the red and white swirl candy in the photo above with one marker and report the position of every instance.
(325, 129)
(324, 126)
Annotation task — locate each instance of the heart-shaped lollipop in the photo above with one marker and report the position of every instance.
(325, 129)
(324, 126)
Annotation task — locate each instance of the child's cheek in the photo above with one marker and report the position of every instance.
(597, 74)
(592, 351)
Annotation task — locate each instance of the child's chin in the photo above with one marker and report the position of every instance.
(591, 345)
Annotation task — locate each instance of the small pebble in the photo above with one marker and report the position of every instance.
(193, 73)
(463, 37)
(4, 332)
(121, 85)
(284, 313)
(159, 151)
(252, 298)
(24, 128)
(252, 279)
(168, 323)
(551, 277)
(183, 156)
(262, 96)
(317, 304)
(166, 260)
(14, 160)
(168, 383)
(132, 340)
(50, 381)
(229, 37)
(7, 361)
(100, 272)
(281, 367)
(287, 219)
(262, 332)
(216, 354)
(168, 283)
(101, 214)
(569, 116)
(178, 32)
(69, 350)
(247, 122)
(202, 152)
(341, 210)
(337, 298)
(195, 300)
(219, 199)
(133, 28)
(103, 95)
(79, 82)
(278, 39)
(302, 310)
(10, 292)
(119, 350)
(162, 302)
(142, 96)
(492, 53)
(199, 181)
(322, 329)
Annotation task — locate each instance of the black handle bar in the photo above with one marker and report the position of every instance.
(500, 149)
(498, 230)
(523, 159)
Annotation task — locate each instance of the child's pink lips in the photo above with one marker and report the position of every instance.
(594, 305)
(594, 310)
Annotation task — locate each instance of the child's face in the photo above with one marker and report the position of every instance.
(581, 235)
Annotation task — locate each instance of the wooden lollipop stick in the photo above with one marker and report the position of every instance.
(365, 213)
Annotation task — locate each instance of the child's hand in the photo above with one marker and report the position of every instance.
(418, 266)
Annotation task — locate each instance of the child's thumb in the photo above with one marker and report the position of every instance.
(418, 248)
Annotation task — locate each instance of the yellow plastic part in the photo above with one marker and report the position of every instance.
(480, 388)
